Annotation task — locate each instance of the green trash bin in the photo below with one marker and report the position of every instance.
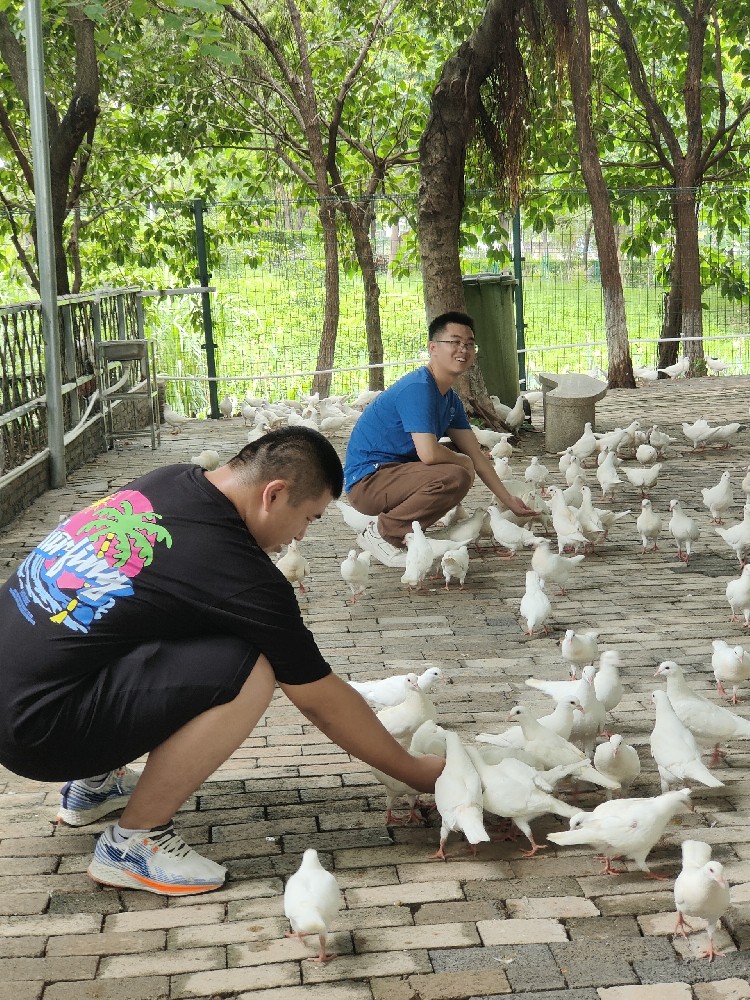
(489, 300)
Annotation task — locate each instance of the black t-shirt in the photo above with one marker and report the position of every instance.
(166, 557)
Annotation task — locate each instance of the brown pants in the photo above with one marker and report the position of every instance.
(410, 491)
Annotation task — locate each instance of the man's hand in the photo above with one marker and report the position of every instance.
(518, 507)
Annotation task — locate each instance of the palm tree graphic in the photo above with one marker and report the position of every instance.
(127, 533)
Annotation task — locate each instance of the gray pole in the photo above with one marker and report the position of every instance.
(45, 245)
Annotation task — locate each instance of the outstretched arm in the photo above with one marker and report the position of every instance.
(343, 715)
(467, 443)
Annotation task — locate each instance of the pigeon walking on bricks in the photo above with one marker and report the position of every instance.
(393, 690)
(648, 524)
(704, 893)
(312, 899)
(624, 827)
(737, 536)
(683, 529)
(731, 665)
(552, 567)
(673, 747)
(458, 797)
(617, 760)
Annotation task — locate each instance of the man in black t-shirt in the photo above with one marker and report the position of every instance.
(155, 622)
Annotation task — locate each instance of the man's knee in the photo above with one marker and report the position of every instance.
(458, 480)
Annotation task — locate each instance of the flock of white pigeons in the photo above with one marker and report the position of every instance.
(516, 775)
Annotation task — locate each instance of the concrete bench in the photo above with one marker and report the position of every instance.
(569, 403)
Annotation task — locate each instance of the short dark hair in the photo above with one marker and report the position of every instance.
(440, 322)
(303, 457)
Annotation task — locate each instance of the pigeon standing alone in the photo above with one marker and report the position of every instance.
(738, 595)
(312, 899)
(535, 605)
(737, 536)
(718, 498)
(648, 525)
(701, 892)
(683, 529)
(419, 557)
(294, 565)
(355, 570)
(455, 565)
(226, 406)
(731, 665)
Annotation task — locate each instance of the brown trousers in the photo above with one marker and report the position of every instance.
(410, 491)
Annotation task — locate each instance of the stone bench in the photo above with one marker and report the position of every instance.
(569, 403)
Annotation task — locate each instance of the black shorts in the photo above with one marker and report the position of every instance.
(129, 707)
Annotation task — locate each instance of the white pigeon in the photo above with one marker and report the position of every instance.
(536, 473)
(366, 397)
(702, 892)
(731, 665)
(711, 724)
(674, 748)
(548, 749)
(419, 557)
(573, 468)
(226, 406)
(579, 648)
(716, 365)
(607, 681)
(722, 434)
(573, 495)
(660, 440)
(487, 438)
(312, 899)
(513, 790)
(738, 595)
(643, 479)
(565, 460)
(457, 513)
(208, 459)
(503, 448)
(588, 720)
(564, 522)
(589, 520)
(683, 529)
(607, 477)
(678, 368)
(647, 374)
(355, 520)
(624, 827)
(698, 432)
(552, 567)
(355, 570)
(502, 468)
(455, 565)
(394, 791)
(458, 796)
(387, 691)
(648, 525)
(737, 536)
(463, 532)
(611, 517)
(294, 565)
(560, 721)
(404, 719)
(719, 498)
(535, 605)
(586, 445)
(745, 484)
(173, 419)
(509, 535)
(516, 415)
(618, 760)
(646, 454)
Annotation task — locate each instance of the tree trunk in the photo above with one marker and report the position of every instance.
(686, 240)
(442, 157)
(359, 220)
(672, 320)
(327, 348)
(575, 39)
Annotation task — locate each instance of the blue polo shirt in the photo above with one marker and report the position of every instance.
(383, 434)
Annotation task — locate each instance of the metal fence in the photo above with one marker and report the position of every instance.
(265, 260)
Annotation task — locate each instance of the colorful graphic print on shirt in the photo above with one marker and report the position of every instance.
(75, 575)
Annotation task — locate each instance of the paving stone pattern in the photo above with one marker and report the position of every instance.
(547, 927)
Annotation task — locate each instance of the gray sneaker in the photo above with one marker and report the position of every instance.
(371, 541)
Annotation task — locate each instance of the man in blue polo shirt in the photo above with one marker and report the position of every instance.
(396, 469)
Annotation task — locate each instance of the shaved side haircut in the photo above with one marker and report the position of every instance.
(302, 457)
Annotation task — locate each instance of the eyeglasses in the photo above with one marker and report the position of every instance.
(468, 345)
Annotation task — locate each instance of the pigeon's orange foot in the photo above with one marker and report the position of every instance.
(534, 848)
(710, 953)
(609, 869)
(439, 854)
(655, 877)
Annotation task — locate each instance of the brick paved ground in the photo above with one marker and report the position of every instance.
(412, 927)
